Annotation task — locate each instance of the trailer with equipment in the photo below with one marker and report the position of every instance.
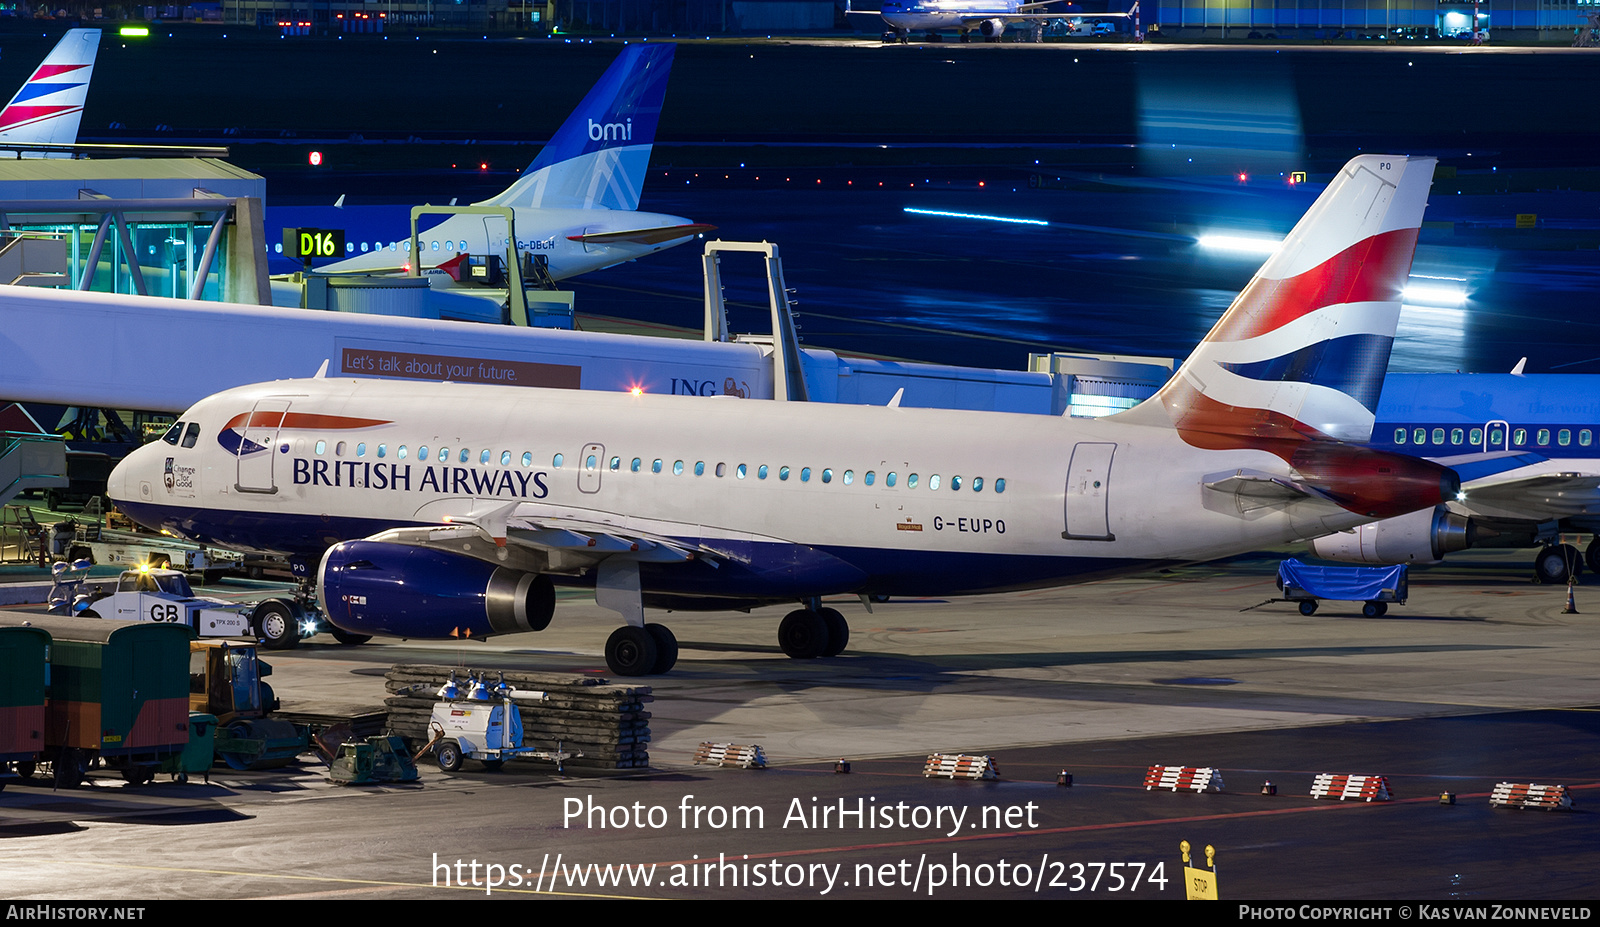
(485, 725)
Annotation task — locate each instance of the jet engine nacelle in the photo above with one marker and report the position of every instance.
(1377, 484)
(1420, 537)
(991, 28)
(376, 587)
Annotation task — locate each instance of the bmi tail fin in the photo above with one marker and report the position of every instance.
(598, 158)
(1302, 351)
(49, 106)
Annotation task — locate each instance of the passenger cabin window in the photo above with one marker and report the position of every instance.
(321, 446)
(699, 468)
(891, 479)
(655, 465)
(361, 449)
(637, 465)
(556, 461)
(1438, 436)
(1419, 436)
(1496, 436)
(1585, 436)
(1000, 485)
(1519, 436)
(1544, 437)
(1399, 436)
(677, 468)
(1564, 437)
(933, 482)
(1476, 437)
(955, 483)
(977, 484)
(827, 474)
(805, 474)
(527, 458)
(383, 451)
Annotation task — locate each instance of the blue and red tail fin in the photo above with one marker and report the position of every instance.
(1302, 351)
(599, 156)
(48, 108)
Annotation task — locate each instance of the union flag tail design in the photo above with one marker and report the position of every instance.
(49, 106)
(1302, 352)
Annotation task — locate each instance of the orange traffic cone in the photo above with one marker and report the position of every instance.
(1572, 606)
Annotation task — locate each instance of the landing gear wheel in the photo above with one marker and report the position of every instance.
(1592, 555)
(1308, 607)
(803, 635)
(346, 638)
(1374, 609)
(138, 775)
(449, 756)
(1555, 563)
(838, 631)
(274, 623)
(631, 651)
(25, 769)
(666, 648)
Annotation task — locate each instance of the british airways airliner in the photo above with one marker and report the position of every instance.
(577, 203)
(1552, 420)
(437, 510)
(49, 107)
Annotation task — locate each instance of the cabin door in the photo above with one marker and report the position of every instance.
(257, 449)
(1088, 490)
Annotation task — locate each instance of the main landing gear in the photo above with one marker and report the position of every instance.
(813, 632)
(647, 651)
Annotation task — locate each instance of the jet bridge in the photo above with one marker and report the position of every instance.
(31, 461)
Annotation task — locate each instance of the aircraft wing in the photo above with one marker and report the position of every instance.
(1539, 497)
(651, 236)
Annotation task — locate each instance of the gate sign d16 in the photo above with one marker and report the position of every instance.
(313, 243)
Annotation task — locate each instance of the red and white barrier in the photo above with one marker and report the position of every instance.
(1185, 778)
(1342, 787)
(1528, 795)
(959, 766)
(737, 756)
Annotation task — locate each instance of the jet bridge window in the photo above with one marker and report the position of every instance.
(191, 434)
(171, 437)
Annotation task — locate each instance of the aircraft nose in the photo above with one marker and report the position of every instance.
(124, 482)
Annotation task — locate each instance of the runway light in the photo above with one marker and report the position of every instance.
(971, 215)
(1239, 244)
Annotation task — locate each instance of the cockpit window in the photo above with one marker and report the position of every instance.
(171, 437)
(191, 435)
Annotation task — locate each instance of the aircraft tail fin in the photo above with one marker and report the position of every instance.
(599, 156)
(1302, 352)
(49, 106)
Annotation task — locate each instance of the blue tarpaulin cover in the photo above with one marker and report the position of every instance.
(1343, 583)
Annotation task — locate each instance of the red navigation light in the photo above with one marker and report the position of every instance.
(315, 158)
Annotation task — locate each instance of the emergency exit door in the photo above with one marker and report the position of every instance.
(1088, 492)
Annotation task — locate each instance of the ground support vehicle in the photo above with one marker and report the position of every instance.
(485, 724)
(105, 545)
(226, 681)
(378, 759)
(149, 594)
(1374, 587)
(118, 694)
(24, 676)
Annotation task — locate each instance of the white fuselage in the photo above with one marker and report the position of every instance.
(872, 487)
(539, 230)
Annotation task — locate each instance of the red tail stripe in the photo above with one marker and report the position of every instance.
(51, 70)
(15, 115)
(1369, 271)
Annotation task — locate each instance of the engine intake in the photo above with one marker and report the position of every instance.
(375, 587)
